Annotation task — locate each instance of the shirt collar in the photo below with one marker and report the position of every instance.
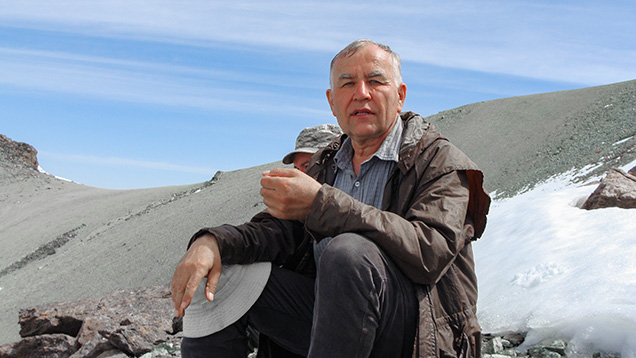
(389, 149)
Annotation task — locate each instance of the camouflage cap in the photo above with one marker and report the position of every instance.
(311, 139)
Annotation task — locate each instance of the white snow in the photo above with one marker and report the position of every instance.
(547, 267)
(41, 170)
(623, 141)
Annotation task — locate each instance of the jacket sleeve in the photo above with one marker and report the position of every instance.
(264, 238)
(423, 242)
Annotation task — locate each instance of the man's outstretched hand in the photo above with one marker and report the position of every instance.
(288, 193)
(202, 259)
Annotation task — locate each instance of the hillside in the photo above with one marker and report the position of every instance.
(65, 241)
(521, 141)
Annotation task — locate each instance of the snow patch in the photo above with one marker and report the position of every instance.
(547, 267)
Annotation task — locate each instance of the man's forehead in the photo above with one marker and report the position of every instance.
(372, 73)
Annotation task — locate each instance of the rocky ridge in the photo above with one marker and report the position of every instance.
(17, 159)
(17, 154)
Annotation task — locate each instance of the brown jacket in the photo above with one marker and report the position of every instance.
(434, 206)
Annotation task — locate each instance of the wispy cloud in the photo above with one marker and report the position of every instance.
(125, 162)
(143, 82)
(549, 41)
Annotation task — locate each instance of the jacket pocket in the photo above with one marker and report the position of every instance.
(454, 341)
(463, 347)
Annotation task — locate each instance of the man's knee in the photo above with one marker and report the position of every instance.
(349, 250)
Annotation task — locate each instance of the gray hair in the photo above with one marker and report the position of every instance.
(353, 47)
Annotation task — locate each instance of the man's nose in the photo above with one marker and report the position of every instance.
(362, 91)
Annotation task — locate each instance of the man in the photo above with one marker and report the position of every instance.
(398, 207)
(308, 142)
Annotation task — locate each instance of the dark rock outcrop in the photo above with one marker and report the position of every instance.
(617, 189)
(130, 321)
(18, 153)
(57, 345)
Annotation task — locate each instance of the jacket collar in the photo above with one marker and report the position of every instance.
(417, 135)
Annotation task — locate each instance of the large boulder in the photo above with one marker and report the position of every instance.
(617, 189)
(57, 345)
(131, 321)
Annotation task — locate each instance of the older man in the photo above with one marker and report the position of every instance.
(371, 248)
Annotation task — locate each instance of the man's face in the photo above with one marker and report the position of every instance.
(301, 161)
(365, 97)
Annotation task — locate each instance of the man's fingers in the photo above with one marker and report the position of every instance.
(281, 172)
(213, 280)
(177, 289)
(177, 295)
(190, 289)
(198, 262)
(288, 193)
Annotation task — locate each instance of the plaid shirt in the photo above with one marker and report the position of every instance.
(368, 186)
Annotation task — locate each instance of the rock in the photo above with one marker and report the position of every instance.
(556, 345)
(542, 352)
(127, 321)
(113, 354)
(632, 171)
(617, 189)
(18, 153)
(166, 350)
(605, 355)
(553, 348)
(48, 345)
(515, 339)
(493, 346)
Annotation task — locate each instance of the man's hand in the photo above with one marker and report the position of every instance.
(288, 193)
(202, 259)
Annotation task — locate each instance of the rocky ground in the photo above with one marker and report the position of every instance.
(139, 323)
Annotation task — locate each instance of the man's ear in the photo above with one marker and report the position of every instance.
(401, 96)
(329, 94)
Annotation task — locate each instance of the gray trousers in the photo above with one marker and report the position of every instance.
(360, 305)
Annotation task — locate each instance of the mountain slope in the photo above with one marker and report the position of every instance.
(65, 241)
(521, 141)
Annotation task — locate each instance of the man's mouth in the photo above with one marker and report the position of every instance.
(362, 112)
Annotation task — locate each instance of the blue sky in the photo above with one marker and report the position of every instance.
(133, 94)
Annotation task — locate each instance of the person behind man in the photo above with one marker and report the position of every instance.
(397, 206)
(308, 142)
